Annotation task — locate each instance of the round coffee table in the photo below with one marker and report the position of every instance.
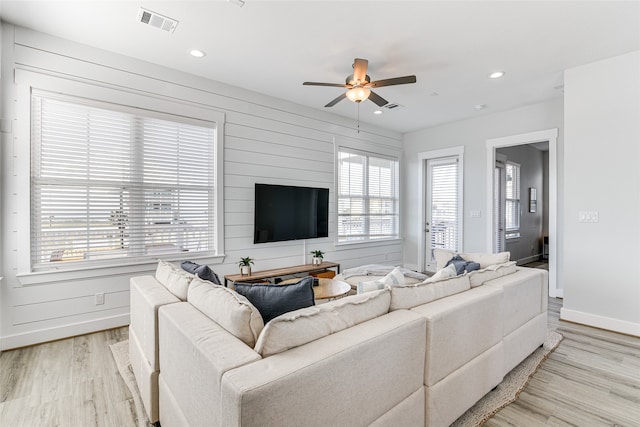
(327, 288)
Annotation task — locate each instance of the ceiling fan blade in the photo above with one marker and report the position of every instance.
(360, 69)
(326, 84)
(379, 101)
(338, 99)
(394, 81)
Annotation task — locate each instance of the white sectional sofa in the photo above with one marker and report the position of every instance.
(412, 354)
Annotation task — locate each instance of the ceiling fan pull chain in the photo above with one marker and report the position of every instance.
(358, 117)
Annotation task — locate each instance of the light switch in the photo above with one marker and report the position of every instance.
(476, 214)
(588, 216)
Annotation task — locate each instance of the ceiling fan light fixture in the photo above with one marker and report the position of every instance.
(358, 94)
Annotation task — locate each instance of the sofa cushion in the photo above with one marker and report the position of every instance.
(175, 279)
(491, 272)
(442, 256)
(202, 270)
(299, 327)
(444, 273)
(409, 296)
(228, 309)
(274, 300)
(395, 277)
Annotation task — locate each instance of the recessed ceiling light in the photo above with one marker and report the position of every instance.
(197, 53)
(480, 106)
(377, 112)
(496, 75)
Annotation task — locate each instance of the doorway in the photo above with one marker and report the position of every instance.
(549, 136)
(441, 201)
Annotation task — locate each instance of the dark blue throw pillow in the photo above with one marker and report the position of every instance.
(203, 271)
(463, 265)
(458, 262)
(274, 300)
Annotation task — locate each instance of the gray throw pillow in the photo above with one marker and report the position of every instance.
(203, 271)
(274, 300)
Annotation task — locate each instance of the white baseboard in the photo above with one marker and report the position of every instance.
(60, 332)
(616, 325)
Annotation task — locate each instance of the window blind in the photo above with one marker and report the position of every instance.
(512, 196)
(445, 203)
(367, 197)
(111, 184)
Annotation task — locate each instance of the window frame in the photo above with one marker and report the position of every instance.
(512, 233)
(367, 237)
(26, 83)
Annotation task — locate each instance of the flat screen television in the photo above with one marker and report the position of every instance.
(284, 212)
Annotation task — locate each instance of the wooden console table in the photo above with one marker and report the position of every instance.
(277, 272)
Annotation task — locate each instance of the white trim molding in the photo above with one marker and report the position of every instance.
(550, 135)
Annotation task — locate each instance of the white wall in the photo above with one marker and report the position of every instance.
(266, 140)
(602, 173)
(473, 134)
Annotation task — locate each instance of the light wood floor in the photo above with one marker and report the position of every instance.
(592, 379)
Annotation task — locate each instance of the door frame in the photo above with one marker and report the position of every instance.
(550, 135)
(423, 157)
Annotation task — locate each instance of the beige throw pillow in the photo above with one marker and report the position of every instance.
(485, 259)
(299, 327)
(228, 309)
(175, 279)
(394, 278)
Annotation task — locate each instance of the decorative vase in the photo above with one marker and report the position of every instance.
(245, 270)
(316, 260)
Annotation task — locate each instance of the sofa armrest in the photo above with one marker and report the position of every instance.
(195, 354)
(146, 296)
(351, 377)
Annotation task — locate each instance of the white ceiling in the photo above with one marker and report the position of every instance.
(272, 47)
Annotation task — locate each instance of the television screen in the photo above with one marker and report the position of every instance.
(284, 212)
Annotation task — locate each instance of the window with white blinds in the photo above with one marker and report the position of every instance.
(512, 196)
(367, 197)
(109, 182)
(445, 202)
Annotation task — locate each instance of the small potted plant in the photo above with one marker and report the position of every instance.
(317, 257)
(245, 266)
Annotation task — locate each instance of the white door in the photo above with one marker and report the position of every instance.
(443, 208)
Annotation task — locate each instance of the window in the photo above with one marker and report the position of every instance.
(367, 197)
(110, 182)
(512, 196)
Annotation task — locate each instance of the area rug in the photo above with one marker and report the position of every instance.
(511, 386)
(120, 352)
(505, 393)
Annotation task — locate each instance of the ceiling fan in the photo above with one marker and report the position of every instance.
(360, 84)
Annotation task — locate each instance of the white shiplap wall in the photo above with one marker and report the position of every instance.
(266, 140)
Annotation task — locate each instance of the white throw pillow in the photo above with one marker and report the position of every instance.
(175, 279)
(228, 309)
(443, 273)
(299, 327)
(394, 278)
(442, 257)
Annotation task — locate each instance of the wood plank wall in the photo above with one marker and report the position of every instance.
(266, 140)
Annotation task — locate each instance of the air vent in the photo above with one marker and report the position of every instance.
(393, 106)
(154, 19)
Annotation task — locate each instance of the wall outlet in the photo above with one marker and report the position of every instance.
(100, 298)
